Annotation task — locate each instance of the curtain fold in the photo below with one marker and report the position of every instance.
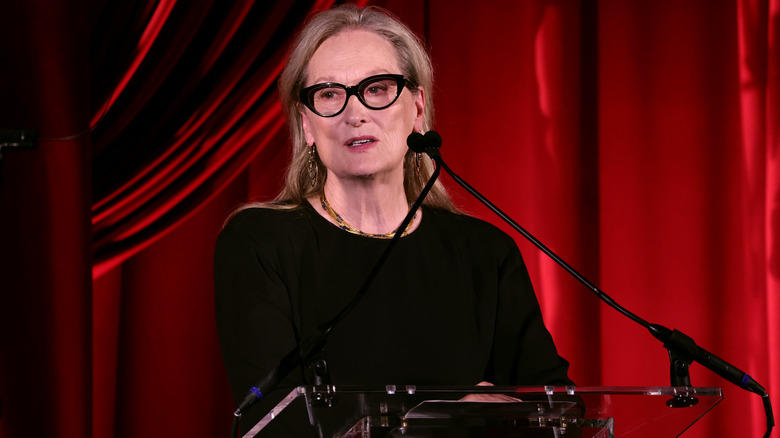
(770, 16)
(45, 258)
(758, 22)
(188, 112)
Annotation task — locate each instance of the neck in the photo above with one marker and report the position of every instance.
(371, 207)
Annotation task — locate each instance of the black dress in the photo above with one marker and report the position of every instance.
(452, 305)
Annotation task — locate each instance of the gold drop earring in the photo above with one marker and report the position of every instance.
(313, 167)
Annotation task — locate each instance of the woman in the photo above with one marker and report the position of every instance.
(453, 303)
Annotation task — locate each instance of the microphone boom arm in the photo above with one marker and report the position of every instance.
(682, 349)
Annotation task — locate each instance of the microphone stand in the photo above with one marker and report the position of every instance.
(682, 349)
(304, 352)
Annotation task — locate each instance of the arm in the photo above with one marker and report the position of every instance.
(253, 313)
(524, 351)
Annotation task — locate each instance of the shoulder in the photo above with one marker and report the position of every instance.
(466, 225)
(480, 244)
(466, 234)
(254, 216)
(266, 225)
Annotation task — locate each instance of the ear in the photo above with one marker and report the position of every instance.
(306, 128)
(419, 104)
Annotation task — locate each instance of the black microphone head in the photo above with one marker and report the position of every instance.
(416, 142)
(432, 139)
(428, 143)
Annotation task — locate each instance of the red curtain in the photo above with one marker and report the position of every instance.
(638, 140)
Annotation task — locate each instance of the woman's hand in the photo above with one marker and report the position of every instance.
(490, 398)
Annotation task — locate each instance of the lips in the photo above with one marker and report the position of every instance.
(360, 141)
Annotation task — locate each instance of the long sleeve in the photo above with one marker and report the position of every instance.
(524, 352)
(252, 311)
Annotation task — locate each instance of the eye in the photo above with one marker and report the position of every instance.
(329, 93)
(376, 89)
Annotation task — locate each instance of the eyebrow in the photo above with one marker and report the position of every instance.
(321, 80)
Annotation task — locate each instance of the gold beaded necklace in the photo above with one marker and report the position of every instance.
(347, 227)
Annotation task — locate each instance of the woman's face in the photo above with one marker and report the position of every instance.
(361, 142)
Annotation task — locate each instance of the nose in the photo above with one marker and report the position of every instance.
(355, 113)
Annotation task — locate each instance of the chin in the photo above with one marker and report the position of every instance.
(369, 171)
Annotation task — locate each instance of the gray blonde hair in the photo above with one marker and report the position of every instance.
(416, 67)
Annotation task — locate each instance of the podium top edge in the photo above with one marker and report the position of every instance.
(548, 390)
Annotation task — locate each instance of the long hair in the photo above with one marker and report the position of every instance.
(415, 66)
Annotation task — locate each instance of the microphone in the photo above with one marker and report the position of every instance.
(682, 349)
(428, 143)
(686, 351)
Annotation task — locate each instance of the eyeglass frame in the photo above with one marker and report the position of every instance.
(354, 90)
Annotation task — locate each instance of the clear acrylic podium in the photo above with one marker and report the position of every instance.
(434, 412)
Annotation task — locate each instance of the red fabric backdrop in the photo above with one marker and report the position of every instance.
(638, 140)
